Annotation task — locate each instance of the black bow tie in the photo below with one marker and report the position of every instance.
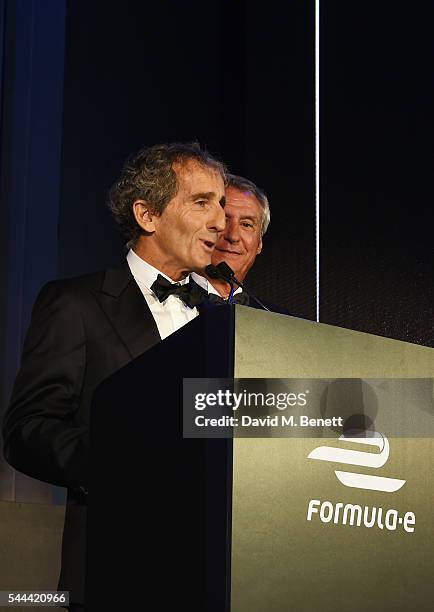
(238, 298)
(190, 293)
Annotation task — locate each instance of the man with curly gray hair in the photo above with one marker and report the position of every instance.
(168, 202)
(154, 175)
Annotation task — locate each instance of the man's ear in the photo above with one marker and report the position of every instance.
(259, 247)
(144, 216)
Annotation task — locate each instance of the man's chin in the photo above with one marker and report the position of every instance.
(199, 266)
(217, 258)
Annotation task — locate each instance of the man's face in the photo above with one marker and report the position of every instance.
(187, 230)
(241, 240)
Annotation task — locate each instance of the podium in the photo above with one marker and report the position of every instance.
(219, 524)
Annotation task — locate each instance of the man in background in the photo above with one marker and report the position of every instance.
(247, 212)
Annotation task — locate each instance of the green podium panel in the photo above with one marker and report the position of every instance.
(303, 537)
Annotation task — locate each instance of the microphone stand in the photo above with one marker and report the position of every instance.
(224, 272)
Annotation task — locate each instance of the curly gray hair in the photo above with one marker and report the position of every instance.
(149, 175)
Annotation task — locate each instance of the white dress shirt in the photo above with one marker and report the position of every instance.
(205, 284)
(169, 315)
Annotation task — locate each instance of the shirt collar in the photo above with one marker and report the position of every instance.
(144, 273)
(205, 284)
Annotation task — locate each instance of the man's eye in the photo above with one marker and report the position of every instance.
(201, 203)
(247, 224)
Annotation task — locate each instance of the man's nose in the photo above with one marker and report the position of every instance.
(217, 221)
(232, 231)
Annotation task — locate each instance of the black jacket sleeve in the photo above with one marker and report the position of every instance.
(44, 435)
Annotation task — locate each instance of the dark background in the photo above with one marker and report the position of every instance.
(377, 134)
(84, 84)
(235, 77)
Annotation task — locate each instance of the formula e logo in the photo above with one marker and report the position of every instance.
(362, 458)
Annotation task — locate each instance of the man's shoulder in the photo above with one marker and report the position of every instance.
(73, 287)
(79, 288)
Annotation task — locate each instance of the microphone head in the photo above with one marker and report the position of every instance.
(225, 271)
(213, 272)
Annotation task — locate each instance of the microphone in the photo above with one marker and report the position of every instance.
(213, 272)
(226, 272)
(223, 272)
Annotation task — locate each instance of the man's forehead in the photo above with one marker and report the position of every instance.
(192, 169)
(243, 201)
(194, 178)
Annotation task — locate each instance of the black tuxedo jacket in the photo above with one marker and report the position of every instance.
(82, 330)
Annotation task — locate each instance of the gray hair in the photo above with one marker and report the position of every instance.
(149, 175)
(243, 184)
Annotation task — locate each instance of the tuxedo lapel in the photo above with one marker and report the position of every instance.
(124, 304)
